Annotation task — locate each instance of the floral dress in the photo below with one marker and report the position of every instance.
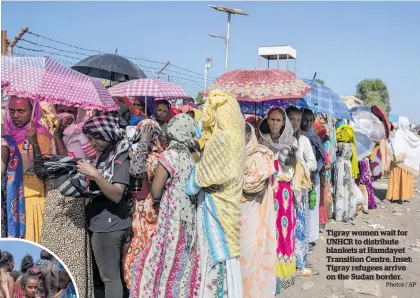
(345, 204)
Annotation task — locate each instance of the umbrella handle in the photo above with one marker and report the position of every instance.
(33, 112)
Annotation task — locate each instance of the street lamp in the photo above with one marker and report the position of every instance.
(229, 11)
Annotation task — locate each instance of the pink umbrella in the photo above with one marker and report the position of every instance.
(42, 78)
(150, 88)
(260, 84)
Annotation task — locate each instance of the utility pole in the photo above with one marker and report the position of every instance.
(12, 43)
(3, 42)
(163, 68)
(206, 68)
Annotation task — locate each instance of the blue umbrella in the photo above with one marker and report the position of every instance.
(322, 100)
(393, 118)
(261, 108)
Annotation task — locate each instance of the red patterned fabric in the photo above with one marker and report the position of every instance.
(42, 78)
(260, 84)
(149, 87)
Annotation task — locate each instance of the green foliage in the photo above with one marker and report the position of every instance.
(319, 81)
(374, 92)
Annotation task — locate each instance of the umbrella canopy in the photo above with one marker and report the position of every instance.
(323, 100)
(364, 145)
(110, 67)
(150, 88)
(259, 85)
(261, 108)
(367, 123)
(42, 78)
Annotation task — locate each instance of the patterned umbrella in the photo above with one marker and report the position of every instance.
(42, 78)
(261, 108)
(259, 85)
(323, 100)
(149, 87)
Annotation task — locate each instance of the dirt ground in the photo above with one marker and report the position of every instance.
(387, 216)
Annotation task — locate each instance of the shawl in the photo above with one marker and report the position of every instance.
(256, 157)
(286, 142)
(345, 134)
(322, 132)
(146, 155)
(77, 144)
(316, 143)
(405, 146)
(17, 133)
(222, 164)
(181, 133)
(12, 191)
(378, 112)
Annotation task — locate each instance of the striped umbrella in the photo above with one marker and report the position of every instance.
(42, 78)
(322, 100)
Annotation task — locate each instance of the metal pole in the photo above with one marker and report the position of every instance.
(227, 42)
(3, 42)
(205, 75)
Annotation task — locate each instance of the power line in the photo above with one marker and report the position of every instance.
(54, 48)
(46, 52)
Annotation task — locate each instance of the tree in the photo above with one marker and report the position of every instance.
(199, 98)
(319, 81)
(374, 92)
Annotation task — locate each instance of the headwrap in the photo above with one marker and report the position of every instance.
(340, 123)
(181, 131)
(77, 144)
(106, 127)
(406, 147)
(222, 164)
(320, 130)
(17, 133)
(146, 156)
(345, 134)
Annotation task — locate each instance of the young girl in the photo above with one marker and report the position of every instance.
(30, 286)
(6, 281)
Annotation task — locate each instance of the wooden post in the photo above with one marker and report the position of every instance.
(278, 60)
(3, 42)
(17, 38)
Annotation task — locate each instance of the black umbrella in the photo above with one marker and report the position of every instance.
(109, 67)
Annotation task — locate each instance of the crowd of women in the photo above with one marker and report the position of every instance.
(45, 278)
(190, 202)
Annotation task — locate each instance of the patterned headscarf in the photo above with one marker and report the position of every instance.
(181, 130)
(146, 156)
(104, 127)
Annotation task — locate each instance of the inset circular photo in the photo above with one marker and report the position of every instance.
(28, 270)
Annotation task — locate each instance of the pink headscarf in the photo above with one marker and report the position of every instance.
(17, 133)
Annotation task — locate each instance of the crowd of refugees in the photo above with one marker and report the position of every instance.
(45, 278)
(189, 202)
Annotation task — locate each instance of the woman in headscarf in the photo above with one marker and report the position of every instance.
(325, 197)
(405, 155)
(301, 185)
(149, 145)
(346, 170)
(108, 213)
(277, 134)
(258, 237)
(169, 266)
(65, 215)
(218, 179)
(308, 119)
(12, 199)
(194, 114)
(31, 138)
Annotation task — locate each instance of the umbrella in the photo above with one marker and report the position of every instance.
(110, 67)
(364, 145)
(323, 100)
(150, 88)
(261, 108)
(259, 85)
(42, 78)
(367, 123)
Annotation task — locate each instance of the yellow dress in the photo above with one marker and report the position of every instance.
(34, 190)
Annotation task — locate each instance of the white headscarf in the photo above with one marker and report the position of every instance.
(406, 142)
(76, 142)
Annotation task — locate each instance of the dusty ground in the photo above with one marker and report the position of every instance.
(387, 216)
